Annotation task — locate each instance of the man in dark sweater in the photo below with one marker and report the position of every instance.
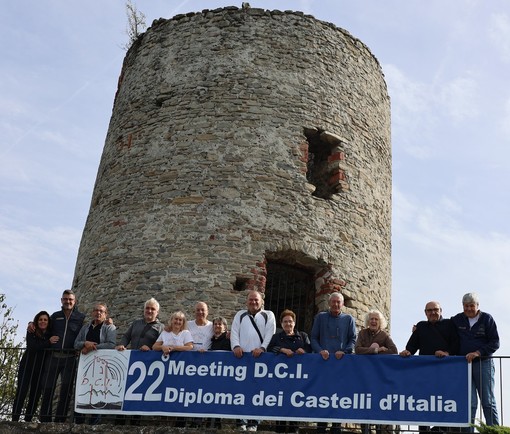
(434, 337)
(65, 326)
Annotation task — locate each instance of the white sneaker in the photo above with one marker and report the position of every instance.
(242, 427)
(252, 428)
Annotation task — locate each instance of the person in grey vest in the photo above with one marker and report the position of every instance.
(141, 335)
(96, 335)
(143, 332)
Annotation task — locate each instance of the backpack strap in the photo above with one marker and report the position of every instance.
(264, 314)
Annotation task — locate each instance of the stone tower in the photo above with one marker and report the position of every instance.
(246, 149)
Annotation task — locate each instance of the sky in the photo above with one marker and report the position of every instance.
(447, 68)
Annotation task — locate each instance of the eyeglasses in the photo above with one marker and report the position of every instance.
(432, 310)
(99, 310)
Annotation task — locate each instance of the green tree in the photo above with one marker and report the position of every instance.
(10, 354)
(136, 23)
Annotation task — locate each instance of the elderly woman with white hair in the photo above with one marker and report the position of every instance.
(373, 339)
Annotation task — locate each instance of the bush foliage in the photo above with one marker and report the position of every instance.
(491, 429)
(10, 353)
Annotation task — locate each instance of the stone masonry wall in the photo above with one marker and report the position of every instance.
(203, 173)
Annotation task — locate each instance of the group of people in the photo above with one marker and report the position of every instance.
(471, 333)
(52, 342)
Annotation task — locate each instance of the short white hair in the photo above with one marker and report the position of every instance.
(152, 301)
(336, 295)
(470, 297)
(382, 320)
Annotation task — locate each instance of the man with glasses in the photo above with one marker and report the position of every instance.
(97, 335)
(65, 326)
(435, 337)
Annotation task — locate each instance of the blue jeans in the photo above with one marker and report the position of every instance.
(483, 382)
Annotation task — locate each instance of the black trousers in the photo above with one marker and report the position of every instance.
(65, 367)
(28, 384)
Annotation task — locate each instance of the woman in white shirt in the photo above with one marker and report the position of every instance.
(176, 336)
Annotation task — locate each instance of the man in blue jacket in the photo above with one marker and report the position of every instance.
(333, 334)
(479, 339)
(65, 326)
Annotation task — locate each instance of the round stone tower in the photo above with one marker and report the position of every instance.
(246, 149)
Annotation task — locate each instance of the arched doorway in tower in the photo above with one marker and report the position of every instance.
(291, 287)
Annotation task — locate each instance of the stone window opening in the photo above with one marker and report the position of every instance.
(241, 283)
(325, 163)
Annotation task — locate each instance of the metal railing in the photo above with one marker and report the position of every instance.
(23, 388)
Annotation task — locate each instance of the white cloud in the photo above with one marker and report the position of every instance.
(13, 173)
(505, 122)
(411, 117)
(10, 107)
(438, 225)
(458, 98)
(31, 174)
(36, 263)
(33, 255)
(412, 97)
(419, 110)
(499, 34)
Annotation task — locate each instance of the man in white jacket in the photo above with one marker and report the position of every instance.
(252, 330)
